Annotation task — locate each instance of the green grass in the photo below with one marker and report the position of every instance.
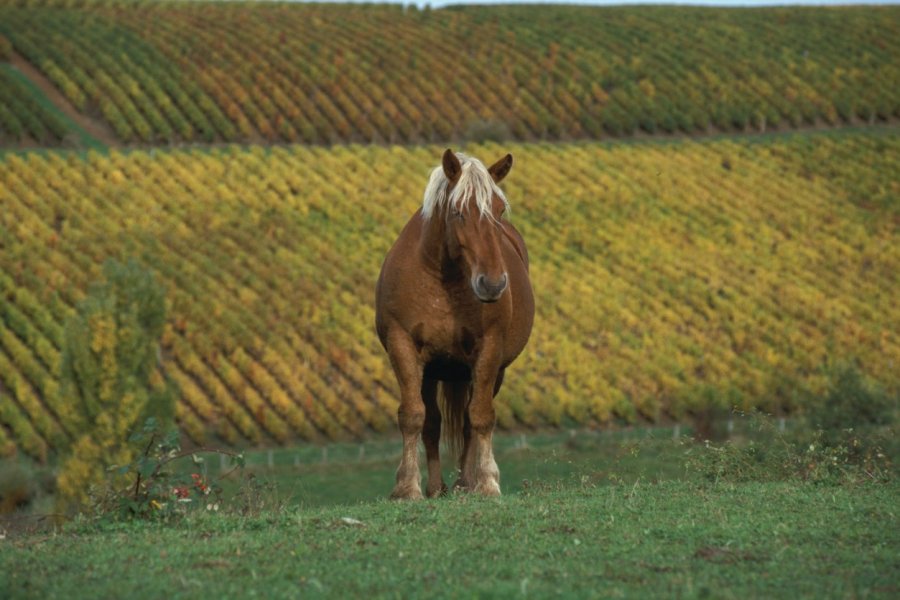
(364, 472)
(594, 515)
(672, 539)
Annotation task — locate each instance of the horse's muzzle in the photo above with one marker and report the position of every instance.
(489, 290)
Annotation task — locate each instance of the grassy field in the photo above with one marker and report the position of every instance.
(627, 513)
(673, 539)
(346, 474)
(677, 280)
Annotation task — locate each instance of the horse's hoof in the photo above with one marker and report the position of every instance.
(438, 492)
(406, 493)
(490, 489)
(462, 486)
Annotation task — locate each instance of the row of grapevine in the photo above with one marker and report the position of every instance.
(669, 278)
(106, 69)
(319, 73)
(24, 118)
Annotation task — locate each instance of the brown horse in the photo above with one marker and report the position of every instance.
(453, 308)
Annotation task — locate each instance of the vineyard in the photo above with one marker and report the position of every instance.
(23, 116)
(201, 72)
(669, 277)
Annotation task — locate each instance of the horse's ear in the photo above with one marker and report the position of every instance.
(501, 168)
(452, 168)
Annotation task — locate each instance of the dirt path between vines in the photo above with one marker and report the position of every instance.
(94, 127)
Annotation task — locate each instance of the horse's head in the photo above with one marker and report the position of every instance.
(471, 204)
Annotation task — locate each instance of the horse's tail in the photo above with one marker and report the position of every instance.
(453, 400)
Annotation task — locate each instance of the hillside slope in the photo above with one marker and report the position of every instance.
(168, 72)
(669, 277)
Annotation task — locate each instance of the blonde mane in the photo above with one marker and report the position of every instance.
(474, 182)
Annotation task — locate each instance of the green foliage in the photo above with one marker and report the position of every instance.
(158, 484)
(852, 402)
(163, 482)
(110, 370)
(23, 115)
(838, 458)
(18, 486)
(111, 348)
(27, 495)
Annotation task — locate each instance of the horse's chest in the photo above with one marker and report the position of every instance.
(445, 330)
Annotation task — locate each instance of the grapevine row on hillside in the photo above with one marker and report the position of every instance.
(669, 278)
(319, 73)
(23, 117)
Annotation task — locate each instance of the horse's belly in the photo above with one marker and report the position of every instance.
(445, 368)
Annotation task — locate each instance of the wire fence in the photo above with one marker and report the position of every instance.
(388, 449)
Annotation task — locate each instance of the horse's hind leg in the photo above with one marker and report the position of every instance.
(431, 436)
(466, 480)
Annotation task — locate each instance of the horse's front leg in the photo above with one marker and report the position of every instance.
(479, 464)
(410, 415)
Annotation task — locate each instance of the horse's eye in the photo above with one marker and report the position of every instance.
(455, 214)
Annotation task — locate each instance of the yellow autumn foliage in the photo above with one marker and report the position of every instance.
(667, 277)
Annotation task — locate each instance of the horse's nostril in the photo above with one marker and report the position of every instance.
(497, 286)
(489, 290)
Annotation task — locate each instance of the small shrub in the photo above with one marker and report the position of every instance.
(739, 461)
(809, 455)
(256, 496)
(18, 487)
(849, 458)
(155, 485)
(852, 402)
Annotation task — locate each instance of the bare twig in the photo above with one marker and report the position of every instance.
(35, 517)
(227, 474)
(137, 483)
(186, 453)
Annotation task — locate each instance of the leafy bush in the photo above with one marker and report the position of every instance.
(851, 401)
(110, 371)
(153, 487)
(808, 455)
(18, 486)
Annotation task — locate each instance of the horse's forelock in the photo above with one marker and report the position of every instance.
(474, 182)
